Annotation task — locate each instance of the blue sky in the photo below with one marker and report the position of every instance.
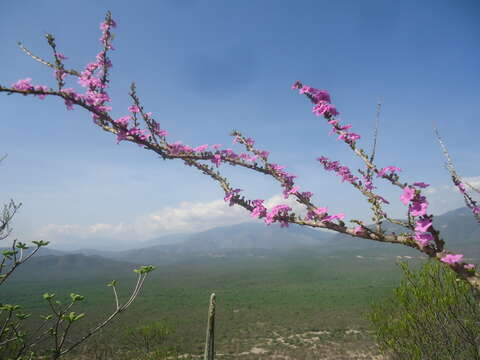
(206, 67)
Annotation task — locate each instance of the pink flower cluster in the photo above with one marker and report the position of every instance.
(452, 259)
(343, 171)
(25, 85)
(417, 207)
(259, 210)
(143, 135)
(229, 197)
(95, 95)
(321, 213)
(218, 155)
(93, 78)
(249, 142)
(368, 183)
(278, 211)
(105, 28)
(275, 214)
(389, 169)
(322, 106)
(286, 179)
(320, 98)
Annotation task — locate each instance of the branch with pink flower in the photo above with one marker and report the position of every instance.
(139, 126)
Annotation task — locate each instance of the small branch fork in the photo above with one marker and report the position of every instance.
(458, 181)
(154, 139)
(61, 320)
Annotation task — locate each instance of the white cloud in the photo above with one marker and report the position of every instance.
(187, 217)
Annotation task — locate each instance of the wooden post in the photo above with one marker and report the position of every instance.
(210, 339)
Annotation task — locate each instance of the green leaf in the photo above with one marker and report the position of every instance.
(144, 269)
(79, 316)
(77, 297)
(10, 307)
(22, 316)
(48, 296)
(22, 246)
(72, 316)
(9, 253)
(41, 243)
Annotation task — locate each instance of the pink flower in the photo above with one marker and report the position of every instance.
(279, 210)
(229, 197)
(423, 224)
(123, 120)
(156, 128)
(258, 210)
(121, 135)
(217, 160)
(358, 230)
(23, 84)
(452, 259)
(407, 196)
(60, 74)
(476, 210)
(324, 108)
(73, 95)
(321, 95)
(390, 169)
(306, 194)
(318, 212)
(135, 131)
(469, 266)
(423, 238)
(41, 88)
(333, 217)
(419, 208)
(61, 56)
(286, 192)
(461, 187)
(134, 109)
(352, 137)
(342, 171)
(201, 148)
(369, 185)
(305, 90)
(263, 154)
(321, 210)
(105, 25)
(277, 168)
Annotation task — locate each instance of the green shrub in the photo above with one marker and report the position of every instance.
(432, 315)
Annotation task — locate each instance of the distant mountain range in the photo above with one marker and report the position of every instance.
(458, 228)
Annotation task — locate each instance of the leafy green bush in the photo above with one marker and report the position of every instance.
(432, 315)
(147, 338)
